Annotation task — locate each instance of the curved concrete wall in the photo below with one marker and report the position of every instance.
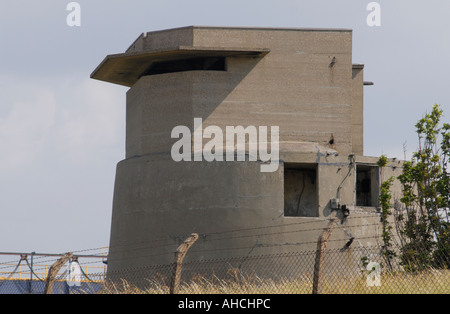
(156, 199)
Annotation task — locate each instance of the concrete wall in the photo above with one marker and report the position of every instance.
(358, 110)
(296, 86)
(237, 210)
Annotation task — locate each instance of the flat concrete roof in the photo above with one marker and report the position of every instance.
(126, 68)
(302, 29)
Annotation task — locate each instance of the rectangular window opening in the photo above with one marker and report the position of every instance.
(366, 186)
(191, 64)
(300, 190)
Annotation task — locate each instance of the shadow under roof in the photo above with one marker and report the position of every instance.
(126, 68)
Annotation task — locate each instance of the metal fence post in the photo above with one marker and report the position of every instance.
(179, 256)
(53, 271)
(31, 272)
(320, 256)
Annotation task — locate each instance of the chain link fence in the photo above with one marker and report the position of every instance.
(348, 270)
(357, 270)
(353, 271)
(33, 274)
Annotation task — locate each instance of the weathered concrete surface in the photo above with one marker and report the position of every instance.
(236, 210)
(301, 80)
(304, 84)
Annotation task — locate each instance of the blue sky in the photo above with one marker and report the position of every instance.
(62, 133)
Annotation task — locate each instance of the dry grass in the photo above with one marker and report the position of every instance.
(429, 282)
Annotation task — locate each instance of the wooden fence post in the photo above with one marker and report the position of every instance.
(53, 271)
(179, 256)
(320, 255)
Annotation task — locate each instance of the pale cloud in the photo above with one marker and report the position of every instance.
(77, 119)
(91, 120)
(61, 138)
(24, 130)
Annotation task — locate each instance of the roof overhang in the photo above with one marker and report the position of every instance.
(126, 68)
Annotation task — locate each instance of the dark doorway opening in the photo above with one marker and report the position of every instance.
(300, 190)
(366, 185)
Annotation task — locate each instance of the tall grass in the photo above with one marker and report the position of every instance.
(428, 282)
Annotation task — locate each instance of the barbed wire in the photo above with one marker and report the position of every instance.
(293, 267)
(258, 232)
(178, 239)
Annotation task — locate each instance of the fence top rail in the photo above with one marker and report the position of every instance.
(52, 255)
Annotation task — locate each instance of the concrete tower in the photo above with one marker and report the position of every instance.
(302, 81)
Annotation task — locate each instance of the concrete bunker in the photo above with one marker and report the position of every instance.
(239, 77)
